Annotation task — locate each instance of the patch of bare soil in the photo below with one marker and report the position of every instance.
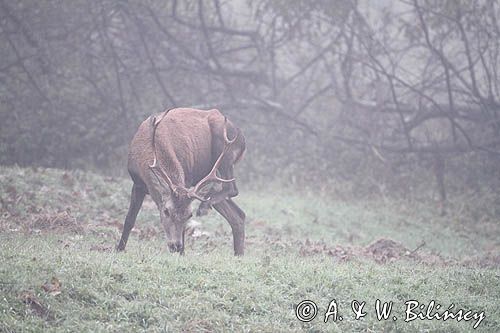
(386, 250)
(382, 251)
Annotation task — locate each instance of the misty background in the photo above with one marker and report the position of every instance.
(362, 98)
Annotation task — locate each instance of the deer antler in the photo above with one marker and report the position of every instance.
(160, 174)
(155, 168)
(212, 175)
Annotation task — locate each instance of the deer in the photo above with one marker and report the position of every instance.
(181, 155)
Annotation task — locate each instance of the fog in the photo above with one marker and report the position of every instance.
(348, 180)
(390, 97)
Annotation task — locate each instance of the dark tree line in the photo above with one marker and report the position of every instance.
(323, 89)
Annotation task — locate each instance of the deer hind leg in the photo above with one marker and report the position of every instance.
(136, 199)
(235, 216)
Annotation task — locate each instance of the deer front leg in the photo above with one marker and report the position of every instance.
(231, 212)
(136, 199)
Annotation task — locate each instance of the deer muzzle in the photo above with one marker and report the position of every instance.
(177, 247)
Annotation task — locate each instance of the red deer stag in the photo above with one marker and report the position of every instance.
(173, 157)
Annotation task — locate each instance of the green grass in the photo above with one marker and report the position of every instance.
(147, 288)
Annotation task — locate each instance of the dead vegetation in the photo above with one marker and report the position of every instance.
(489, 260)
(381, 251)
(54, 221)
(83, 208)
(41, 220)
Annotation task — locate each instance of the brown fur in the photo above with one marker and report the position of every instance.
(186, 143)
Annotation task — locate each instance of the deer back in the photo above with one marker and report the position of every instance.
(187, 143)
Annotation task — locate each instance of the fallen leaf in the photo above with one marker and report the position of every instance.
(53, 287)
(65, 243)
(68, 180)
(28, 298)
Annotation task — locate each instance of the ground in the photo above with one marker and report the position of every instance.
(58, 270)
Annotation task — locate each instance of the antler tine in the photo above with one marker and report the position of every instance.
(154, 161)
(226, 139)
(212, 175)
(160, 174)
(196, 196)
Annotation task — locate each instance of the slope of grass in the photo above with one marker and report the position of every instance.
(147, 288)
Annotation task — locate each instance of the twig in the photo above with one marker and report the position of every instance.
(418, 247)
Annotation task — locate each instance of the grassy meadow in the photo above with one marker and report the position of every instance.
(59, 272)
